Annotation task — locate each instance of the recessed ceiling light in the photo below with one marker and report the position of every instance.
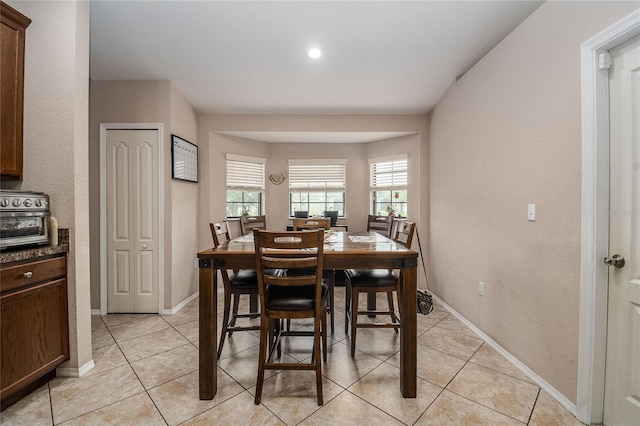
(315, 53)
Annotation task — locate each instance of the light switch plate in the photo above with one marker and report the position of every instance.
(531, 213)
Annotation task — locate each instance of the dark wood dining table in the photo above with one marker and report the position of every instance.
(342, 250)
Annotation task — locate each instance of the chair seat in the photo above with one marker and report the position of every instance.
(293, 298)
(372, 277)
(248, 279)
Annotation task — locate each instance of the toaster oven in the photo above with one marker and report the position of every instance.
(24, 219)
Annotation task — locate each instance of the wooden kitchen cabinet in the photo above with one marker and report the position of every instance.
(13, 27)
(33, 323)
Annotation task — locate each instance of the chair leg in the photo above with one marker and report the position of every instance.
(354, 319)
(331, 279)
(318, 363)
(347, 306)
(225, 321)
(236, 303)
(265, 324)
(391, 309)
(324, 335)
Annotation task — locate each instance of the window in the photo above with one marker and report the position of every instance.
(245, 185)
(388, 181)
(316, 186)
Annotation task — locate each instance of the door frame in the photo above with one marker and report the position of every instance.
(104, 127)
(595, 223)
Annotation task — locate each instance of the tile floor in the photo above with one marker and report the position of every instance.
(146, 373)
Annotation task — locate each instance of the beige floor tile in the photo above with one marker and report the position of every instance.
(243, 366)
(434, 366)
(72, 398)
(178, 400)
(132, 329)
(186, 314)
(377, 343)
(106, 358)
(239, 410)
(190, 331)
(454, 324)
(238, 342)
(135, 410)
(291, 395)
(450, 342)
(505, 394)
(33, 409)
(100, 338)
(548, 412)
(451, 409)
(488, 357)
(112, 320)
(343, 369)
(166, 366)
(97, 323)
(152, 344)
(380, 388)
(348, 410)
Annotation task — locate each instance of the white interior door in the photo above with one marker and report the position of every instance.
(622, 381)
(132, 219)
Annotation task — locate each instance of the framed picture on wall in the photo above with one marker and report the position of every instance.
(184, 159)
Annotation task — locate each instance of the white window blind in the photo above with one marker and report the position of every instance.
(245, 172)
(388, 172)
(317, 174)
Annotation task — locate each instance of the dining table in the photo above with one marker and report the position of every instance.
(342, 250)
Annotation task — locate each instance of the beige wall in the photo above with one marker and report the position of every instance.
(184, 211)
(505, 135)
(149, 102)
(55, 141)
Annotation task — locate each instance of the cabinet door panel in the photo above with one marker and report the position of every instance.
(33, 332)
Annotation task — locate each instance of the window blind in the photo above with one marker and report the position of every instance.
(317, 174)
(388, 172)
(245, 172)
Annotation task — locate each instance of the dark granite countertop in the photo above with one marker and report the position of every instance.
(35, 252)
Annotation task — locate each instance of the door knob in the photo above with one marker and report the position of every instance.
(144, 246)
(615, 260)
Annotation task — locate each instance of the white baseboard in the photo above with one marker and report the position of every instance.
(96, 312)
(555, 394)
(75, 372)
(181, 305)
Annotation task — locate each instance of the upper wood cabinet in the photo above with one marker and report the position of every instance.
(12, 37)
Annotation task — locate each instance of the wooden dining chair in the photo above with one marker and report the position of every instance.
(249, 223)
(380, 224)
(329, 274)
(240, 282)
(311, 223)
(291, 296)
(372, 281)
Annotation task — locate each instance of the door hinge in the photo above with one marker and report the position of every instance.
(604, 61)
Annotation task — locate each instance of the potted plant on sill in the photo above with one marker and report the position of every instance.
(391, 210)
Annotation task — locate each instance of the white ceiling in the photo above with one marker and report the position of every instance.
(242, 57)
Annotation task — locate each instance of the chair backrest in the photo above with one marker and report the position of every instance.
(301, 214)
(291, 251)
(219, 233)
(311, 223)
(333, 215)
(249, 223)
(380, 224)
(403, 232)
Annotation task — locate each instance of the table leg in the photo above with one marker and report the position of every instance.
(208, 331)
(408, 332)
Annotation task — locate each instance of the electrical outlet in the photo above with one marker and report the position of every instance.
(195, 262)
(480, 288)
